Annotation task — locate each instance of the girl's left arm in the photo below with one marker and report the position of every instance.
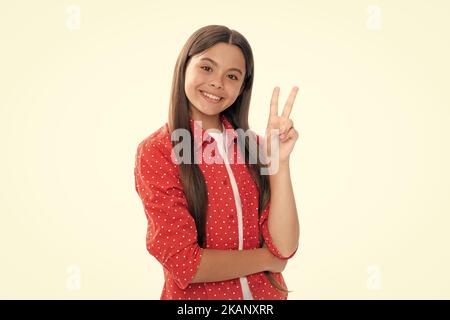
(283, 221)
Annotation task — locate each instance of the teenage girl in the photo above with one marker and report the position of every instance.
(220, 228)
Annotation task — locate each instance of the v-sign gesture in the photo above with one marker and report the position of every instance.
(281, 127)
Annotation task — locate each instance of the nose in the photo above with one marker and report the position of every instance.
(216, 84)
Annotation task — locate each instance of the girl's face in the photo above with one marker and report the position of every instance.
(218, 71)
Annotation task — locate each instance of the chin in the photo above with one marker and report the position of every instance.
(210, 109)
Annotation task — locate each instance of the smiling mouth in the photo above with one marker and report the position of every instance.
(211, 97)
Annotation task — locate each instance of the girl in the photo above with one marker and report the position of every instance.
(209, 223)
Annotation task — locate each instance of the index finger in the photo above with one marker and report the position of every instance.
(274, 102)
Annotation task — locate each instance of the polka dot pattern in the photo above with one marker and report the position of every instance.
(171, 231)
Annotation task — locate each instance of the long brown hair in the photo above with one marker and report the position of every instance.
(190, 174)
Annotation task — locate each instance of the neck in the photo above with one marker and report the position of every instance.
(208, 122)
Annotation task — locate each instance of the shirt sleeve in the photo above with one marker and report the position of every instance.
(263, 223)
(171, 231)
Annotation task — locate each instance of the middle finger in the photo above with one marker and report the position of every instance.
(289, 103)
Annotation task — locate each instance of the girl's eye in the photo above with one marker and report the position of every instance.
(232, 75)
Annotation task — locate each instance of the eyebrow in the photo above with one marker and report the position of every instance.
(215, 63)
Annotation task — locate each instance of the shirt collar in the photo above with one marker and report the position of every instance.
(205, 138)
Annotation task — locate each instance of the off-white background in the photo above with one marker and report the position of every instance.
(370, 169)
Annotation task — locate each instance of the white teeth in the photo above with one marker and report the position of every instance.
(211, 96)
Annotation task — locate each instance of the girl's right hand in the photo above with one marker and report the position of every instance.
(274, 264)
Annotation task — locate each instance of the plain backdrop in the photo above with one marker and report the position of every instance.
(83, 82)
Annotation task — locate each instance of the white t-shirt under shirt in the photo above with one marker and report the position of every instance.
(221, 143)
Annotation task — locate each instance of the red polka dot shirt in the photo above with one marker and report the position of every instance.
(171, 231)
